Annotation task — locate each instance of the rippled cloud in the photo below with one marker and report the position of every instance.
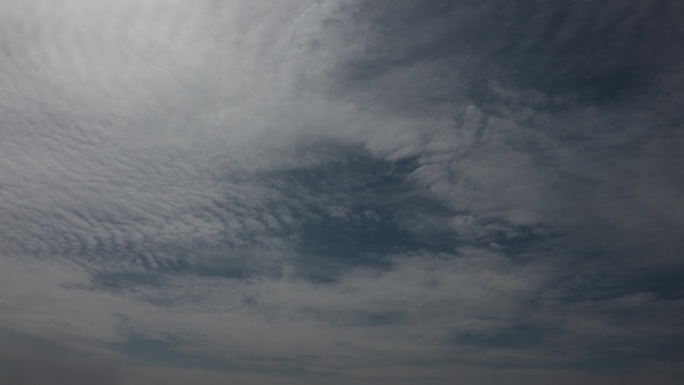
(341, 191)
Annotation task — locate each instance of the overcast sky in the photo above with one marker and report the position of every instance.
(340, 192)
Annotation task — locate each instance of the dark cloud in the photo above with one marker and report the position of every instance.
(592, 52)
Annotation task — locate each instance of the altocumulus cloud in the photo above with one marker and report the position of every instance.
(335, 192)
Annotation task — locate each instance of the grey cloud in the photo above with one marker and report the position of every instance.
(594, 51)
(28, 360)
(524, 153)
(322, 191)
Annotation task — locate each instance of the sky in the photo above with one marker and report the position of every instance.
(341, 192)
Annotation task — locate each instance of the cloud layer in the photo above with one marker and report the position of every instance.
(336, 191)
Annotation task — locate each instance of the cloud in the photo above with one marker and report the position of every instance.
(28, 360)
(328, 190)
